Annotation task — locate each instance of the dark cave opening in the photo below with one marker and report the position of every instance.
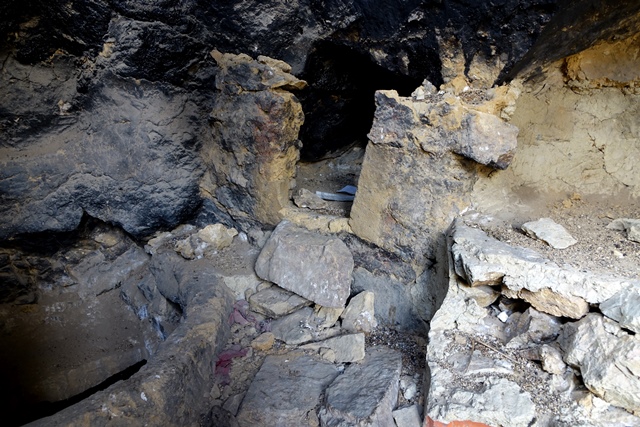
(339, 101)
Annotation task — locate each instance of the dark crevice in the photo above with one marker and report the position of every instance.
(339, 102)
(44, 409)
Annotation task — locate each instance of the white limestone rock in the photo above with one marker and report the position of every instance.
(480, 259)
(407, 417)
(624, 308)
(631, 226)
(550, 232)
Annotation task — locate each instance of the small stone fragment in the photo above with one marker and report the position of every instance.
(407, 417)
(550, 232)
(359, 316)
(551, 359)
(631, 226)
(346, 348)
(263, 342)
(327, 316)
(217, 235)
(624, 308)
(306, 199)
(276, 302)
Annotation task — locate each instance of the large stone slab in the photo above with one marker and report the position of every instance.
(562, 291)
(366, 393)
(608, 358)
(286, 391)
(312, 265)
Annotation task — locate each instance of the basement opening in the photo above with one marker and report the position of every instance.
(339, 107)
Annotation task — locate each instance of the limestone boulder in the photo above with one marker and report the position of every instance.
(285, 391)
(312, 265)
(624, 308)
(420, 167)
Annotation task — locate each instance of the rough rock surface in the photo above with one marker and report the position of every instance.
(254, 127)
(285, 391)
(346, 348)
(365, 393)
(314, 266)
(624, 308)
(480, 259)
(275, 302)
(420, 166)
(359, 316)
(126, 158)
(608, 359)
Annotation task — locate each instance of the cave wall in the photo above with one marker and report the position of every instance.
(578, 127)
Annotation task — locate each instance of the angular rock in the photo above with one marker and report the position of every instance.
(263, 342)
(608, 358)
(217, 235)
(624, 308)
(480, 259)
(532, 327)
(366, 393)
(275, 302)
(327, 316)
(285, 391)
(359, 316)
(556, 304)
(312, 265)
(551, 359)
(550, 232)
(254, 128)
(413, 181)
(497, 402)
(346, 348)
(294, 328)
(631, 226)
(407, 417)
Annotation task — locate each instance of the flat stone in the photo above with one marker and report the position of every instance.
(407, 417)
(359, 316)
(294, 328)
(366, 393)
(327, 316)
(314, 266)
(608, 358)
(556, 304)
(550, 232)
(276, 302)
(346, 348)
(480, 260)
(263, 342)
(624, 308)
(285, 391)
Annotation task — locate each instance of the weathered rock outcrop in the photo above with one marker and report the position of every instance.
(422, 162)
(254, 149)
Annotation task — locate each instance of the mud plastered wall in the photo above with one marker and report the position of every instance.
(579, 129)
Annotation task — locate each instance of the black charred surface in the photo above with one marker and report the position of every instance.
(159, 49)
(339, 104)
